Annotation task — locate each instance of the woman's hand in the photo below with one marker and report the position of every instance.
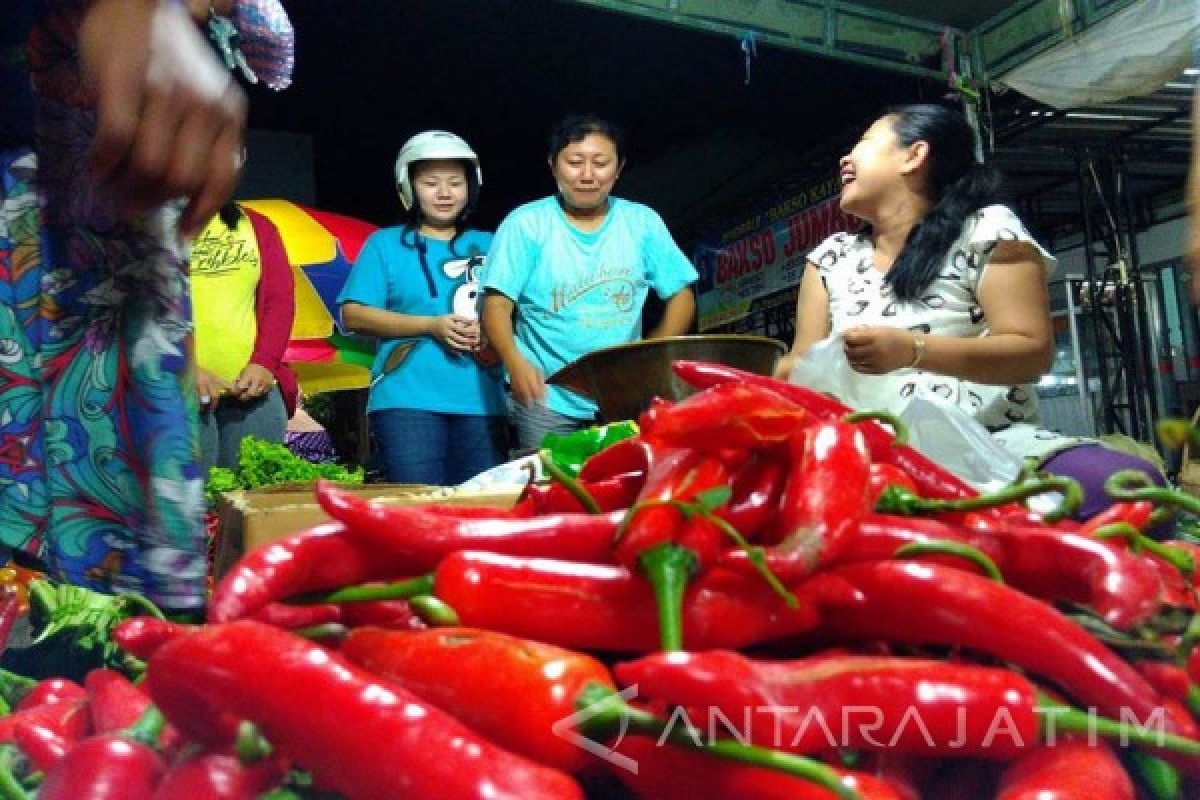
(783, 367)
(209, 388)
(879, 350)
(169, 117)
(527, 382)
(455, 332)
(254, 381)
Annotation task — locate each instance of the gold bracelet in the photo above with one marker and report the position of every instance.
(918, 346)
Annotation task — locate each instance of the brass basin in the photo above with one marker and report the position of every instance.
(622, 380)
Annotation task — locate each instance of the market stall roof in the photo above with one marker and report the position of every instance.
(930, 39)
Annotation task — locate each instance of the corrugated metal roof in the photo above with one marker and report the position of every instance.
(1040, 148)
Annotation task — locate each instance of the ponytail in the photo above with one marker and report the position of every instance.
(960, 184)
(920, 262)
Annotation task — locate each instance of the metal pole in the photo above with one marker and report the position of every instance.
(1147, 403)
(1108, 413)
(1085, 406)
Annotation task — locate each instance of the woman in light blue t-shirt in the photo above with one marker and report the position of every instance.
(436, 408)
(569, 274)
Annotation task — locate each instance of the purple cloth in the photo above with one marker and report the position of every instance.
(1093, 464)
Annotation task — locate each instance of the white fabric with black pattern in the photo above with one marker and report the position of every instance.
(858, 296)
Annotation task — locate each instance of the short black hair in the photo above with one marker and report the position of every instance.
(575, 127)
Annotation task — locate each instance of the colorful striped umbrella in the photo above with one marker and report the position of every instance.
(321, 247)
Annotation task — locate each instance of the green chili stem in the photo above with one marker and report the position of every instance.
(434, 611)
(1132, 484)
(528, 468)
(1070, 489)
(251, 746)
(148, 727)
(10, 787)
(899, 429)
(937, 547)
(669, 567)
(608, 714)
(139, 601)
(1160, 778)
(1192, 701)
(757, 557)
(1175, 432)
(14, 687)
(1182, 560)
(1059, 717)
(569, 482)
(326, 630)
(400, 590)
(1191, 635)
(1119, 640)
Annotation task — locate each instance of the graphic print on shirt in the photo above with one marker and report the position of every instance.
(466, 301)
(611, 287)
(214, 253)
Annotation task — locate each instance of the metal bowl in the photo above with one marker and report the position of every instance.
(624, 379)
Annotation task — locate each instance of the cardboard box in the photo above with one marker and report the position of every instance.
(249, 519)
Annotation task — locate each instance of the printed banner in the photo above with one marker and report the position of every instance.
(765, 254)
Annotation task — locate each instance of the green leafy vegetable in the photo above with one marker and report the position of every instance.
(263, 463)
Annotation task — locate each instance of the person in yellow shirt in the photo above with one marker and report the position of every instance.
(243, 300)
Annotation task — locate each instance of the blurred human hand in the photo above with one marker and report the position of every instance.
(169, 116)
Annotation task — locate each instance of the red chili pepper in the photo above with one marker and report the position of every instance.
(357, 734)
(596, 607)
(1193, 665)
(731, 415)
(826, 496)
(654, 532)
(69, 720)
(52, 690)
(421, 539)
(932, 604)
(1136, 513)
(1170, 680)
(932, 481)
(114, 702)
(885, 475)
(43, 747)
(513, 691)
(395, 615)
(907, 775)
(291, 618)
(10, 610)
(1178, 590)
(611, 494)
(474, 512)
(903, 705)
(1055, 564)
(109, 766)
(1070, 770)
(632, 455)
(1045, 562)
(217, 776)
(141, 636)
(322, 557)
(757, 489)
(665, 772)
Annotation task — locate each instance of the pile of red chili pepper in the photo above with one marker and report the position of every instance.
(761, 595)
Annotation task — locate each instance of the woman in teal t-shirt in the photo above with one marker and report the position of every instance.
(437, 410)
(569, 274)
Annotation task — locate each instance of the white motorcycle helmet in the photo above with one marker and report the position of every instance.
(428, 146)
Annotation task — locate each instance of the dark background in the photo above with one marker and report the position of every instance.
(703, 145)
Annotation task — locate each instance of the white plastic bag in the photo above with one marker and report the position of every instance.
(949, 436)
(943, 432)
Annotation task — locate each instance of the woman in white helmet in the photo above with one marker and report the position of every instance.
(436, 408)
